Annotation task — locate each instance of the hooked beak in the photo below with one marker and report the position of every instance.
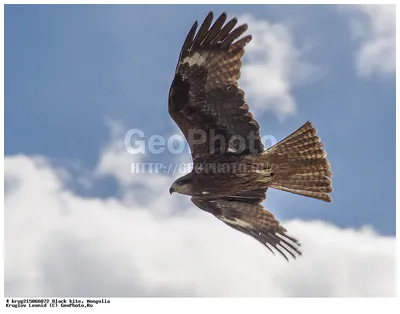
(171, 190)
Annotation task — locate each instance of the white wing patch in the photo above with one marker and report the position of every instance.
(266, 174)
(196, 58)
(235, 221)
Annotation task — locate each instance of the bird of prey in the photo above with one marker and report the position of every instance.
(231, 168)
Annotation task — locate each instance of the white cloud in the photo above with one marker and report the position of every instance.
(58, 243)
(139, 187)
(374, 28)
(272, 66)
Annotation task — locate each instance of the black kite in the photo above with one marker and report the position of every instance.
(232, 170)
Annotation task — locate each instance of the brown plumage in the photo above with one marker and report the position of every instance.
(232, 170)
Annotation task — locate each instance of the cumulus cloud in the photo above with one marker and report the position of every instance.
(137, 187)
(374, 29)
(272, 66)
(58, 243)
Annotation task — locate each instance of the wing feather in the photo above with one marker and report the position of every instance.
(252, 219)
(227, 42)
(224, 31)
(205, 97)
(187, 43)
(203, 31)
(214, 30)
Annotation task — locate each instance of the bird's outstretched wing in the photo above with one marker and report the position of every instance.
(205, 100)
(245, 213)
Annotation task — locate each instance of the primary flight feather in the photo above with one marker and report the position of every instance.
(232, 170)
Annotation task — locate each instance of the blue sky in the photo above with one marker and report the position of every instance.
(69, 69)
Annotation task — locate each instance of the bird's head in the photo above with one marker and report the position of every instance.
(183, 185)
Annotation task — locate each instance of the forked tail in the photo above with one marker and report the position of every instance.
(300, 165)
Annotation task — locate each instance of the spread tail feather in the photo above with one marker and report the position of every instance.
(300, 165)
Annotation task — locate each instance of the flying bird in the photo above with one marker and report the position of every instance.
(231, 168)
